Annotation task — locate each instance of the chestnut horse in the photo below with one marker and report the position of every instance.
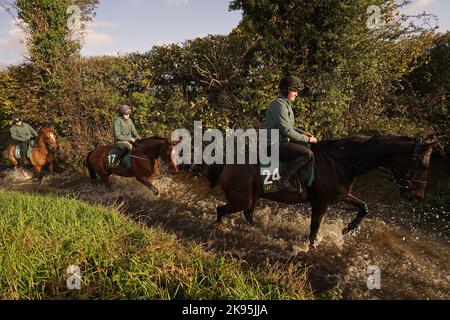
(144, 162)
(337, 165)
(42, 153)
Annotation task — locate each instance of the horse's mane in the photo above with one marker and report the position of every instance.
(356, 139)
(342, 142)
(361, 140)
(46, 130)
(151, 139)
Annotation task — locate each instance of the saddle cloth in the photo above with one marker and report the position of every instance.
(18, 152)
(270, 176)
(112, 156)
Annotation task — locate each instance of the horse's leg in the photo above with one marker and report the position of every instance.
(237, 202)
(104, 179)
(9, 155)
(249, 213)
(38, 172)
(363, 211)
(146, 182)
(50, 167)
(318, 211)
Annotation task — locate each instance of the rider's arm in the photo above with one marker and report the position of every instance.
(134, 131)
(300, 130)
(286, 127)
(33, 132)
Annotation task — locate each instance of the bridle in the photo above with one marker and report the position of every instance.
(46, 144)
(406, 183)
(142, 155)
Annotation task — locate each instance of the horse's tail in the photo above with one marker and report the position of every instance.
(92, 172)
(214, 173)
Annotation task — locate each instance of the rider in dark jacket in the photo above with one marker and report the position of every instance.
(125, 133)
(294, 142)
(21, 134)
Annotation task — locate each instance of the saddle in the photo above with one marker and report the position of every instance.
(270, 176)
(112, 156)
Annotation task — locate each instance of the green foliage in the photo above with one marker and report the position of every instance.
(427, 88)
(348, 69)
(51, 45)
(355, 78)
(119, 259)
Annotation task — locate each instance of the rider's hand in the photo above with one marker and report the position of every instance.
(313, 140)
(133, 140)
(308, 134)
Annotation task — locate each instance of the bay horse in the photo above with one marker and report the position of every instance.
(338, 163)
(42, 153)
(144, 162)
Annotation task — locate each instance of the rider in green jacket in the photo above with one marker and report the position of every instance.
(125, 133)
(294, 142)
(21, 134)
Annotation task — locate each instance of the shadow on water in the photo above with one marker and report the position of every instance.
(413, 258)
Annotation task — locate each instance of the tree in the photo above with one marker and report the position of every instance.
(49, 39)
(347, 68)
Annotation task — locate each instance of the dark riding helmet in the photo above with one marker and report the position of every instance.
(16, 117)
(290, 82)
(124, 110)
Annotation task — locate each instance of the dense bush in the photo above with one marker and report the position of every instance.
(355, 79)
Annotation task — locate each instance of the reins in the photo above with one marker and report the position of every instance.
(397, 183)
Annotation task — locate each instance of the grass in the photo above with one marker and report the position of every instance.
(41, 236)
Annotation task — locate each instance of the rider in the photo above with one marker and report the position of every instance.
(22, 133)
(294, 142)
(125, 133)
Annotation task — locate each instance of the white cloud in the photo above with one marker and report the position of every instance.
(12, 46)
(420, 5)
(94, 38)
(178, 3)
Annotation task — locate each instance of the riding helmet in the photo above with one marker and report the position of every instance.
(290, 82)
(124, 109)
(16, 117)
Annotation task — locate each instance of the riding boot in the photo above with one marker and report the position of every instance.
(23, 154)
(289, 170)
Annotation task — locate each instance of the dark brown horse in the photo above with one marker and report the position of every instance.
(42, 153)
(337, 165)
(144, 162)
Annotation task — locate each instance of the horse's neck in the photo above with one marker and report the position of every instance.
(376, 154)
(152, 147)
(40, 140)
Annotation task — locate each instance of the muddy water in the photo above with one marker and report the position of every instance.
(413, 256)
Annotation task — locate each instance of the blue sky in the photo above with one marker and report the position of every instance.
(122, 26)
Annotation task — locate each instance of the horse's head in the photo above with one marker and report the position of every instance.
(169, 154)
(411, 168)
(49, 138)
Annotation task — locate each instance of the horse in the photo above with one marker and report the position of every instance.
(42, 152)
(337, 165)
(144, 162)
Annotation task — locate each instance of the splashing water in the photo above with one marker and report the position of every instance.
(414, 263)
